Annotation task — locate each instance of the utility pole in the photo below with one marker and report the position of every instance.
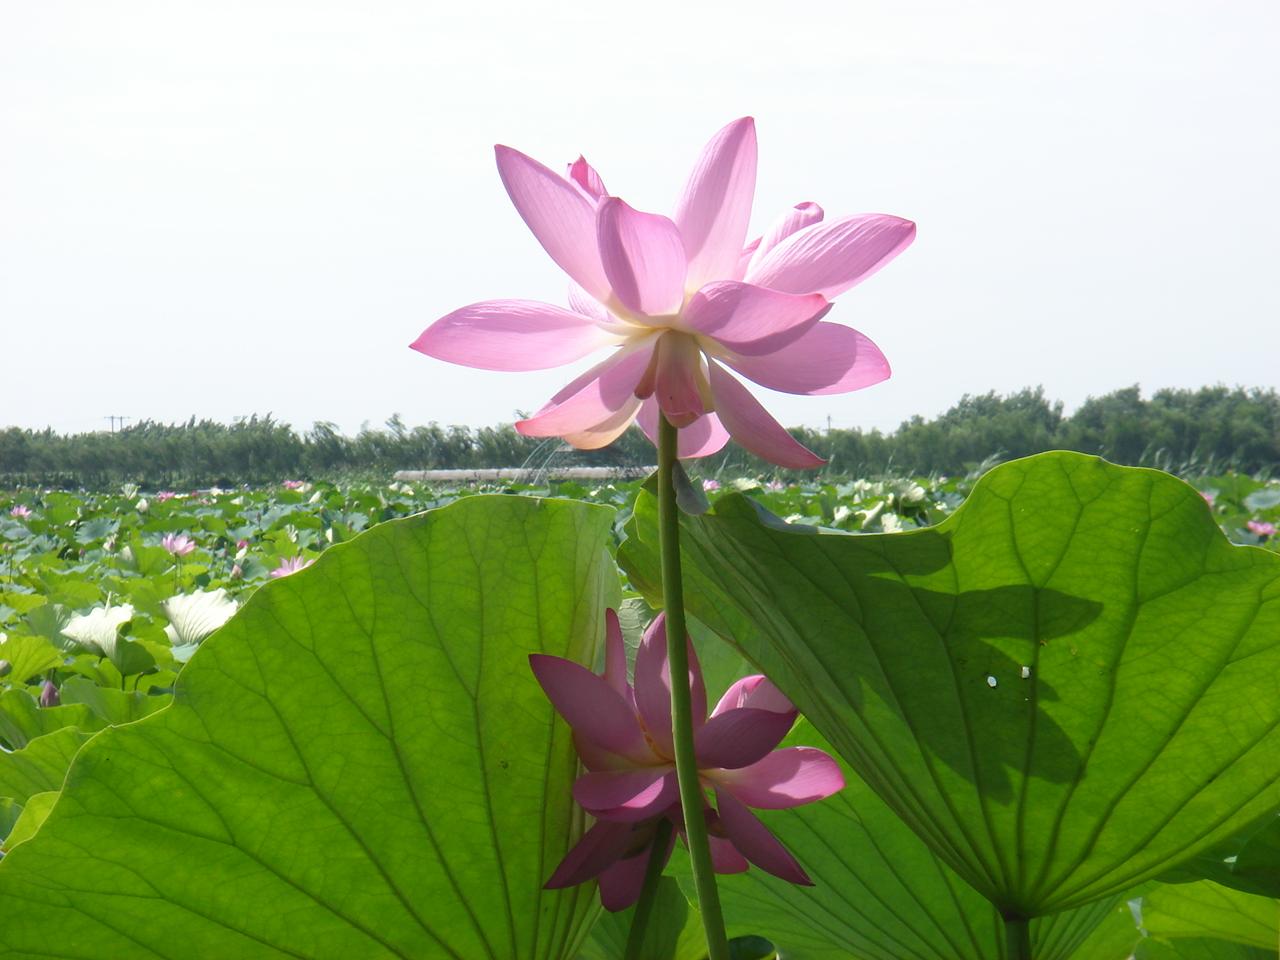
(116, 417)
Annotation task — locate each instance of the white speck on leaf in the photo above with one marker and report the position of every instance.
(1026, 672)
(991, 681)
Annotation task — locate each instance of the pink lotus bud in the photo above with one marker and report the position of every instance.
(49, 696)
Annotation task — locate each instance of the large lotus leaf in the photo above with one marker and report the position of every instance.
(1199, 949)
(674, 930)
(1112, 939)
(22, 719)
(1067, 687)
(41, 765)
(359, 764)
(112, 706)
(1248, 861)
(33, 814)
(879, 893)
(1206, 909)
(28, 656)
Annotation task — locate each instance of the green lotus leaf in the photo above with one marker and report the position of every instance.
(879, 893)
(1065, 688)
(41, 765)
(674, 930)
(28, 656)
(1248, 861)
(1199, 949)
(1209, 910)
(10, 814)
(33, 814)
(22, 719)
(359, 764)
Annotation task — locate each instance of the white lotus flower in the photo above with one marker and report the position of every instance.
(193, 616)
(98, 629)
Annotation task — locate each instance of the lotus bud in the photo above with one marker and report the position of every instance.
(49, 695)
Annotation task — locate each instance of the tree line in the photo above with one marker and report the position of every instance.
(1186, 431)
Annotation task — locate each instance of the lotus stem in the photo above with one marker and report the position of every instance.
(1017, 938)
(692, 801)
(644, 906)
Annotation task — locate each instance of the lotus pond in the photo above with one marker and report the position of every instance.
(360, 764)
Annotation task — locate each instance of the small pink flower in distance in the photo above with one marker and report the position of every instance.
(681, 301)
(178, 544)
(1208, 497)
(236, 571)
(20, 512)
(165, 495)
(242, 544)
(710, 485)
(623, 736)
(1261, 528)
(294, 484)
(774, 486)
(290, 565)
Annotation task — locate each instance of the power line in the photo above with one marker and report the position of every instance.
(113, 417)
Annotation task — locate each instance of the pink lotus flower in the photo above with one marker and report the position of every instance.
(1208, 497)
(20, 512)
(289, 566)
(1261, 528)
(165, 495)
(710, 485)
(775, 486)
(178, 544)
(681, 300)
(623, 736)
(294, 484)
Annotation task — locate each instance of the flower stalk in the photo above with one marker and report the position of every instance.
(644, 906)
(692, 801)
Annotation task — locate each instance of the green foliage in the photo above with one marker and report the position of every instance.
(882, 892)
(1205, 909)
(1065, 688)
(361, 766)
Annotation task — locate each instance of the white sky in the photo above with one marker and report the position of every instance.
(222, 208)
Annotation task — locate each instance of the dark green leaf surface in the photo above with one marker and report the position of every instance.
(674, 931)
(1199, 949)
(1248, 861)
(359, 765)
(33, 815)
(1065, 688)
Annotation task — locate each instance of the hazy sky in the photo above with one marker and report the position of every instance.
(222, 208)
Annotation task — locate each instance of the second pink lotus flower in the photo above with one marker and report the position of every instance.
(622, 732)
(682, 300)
